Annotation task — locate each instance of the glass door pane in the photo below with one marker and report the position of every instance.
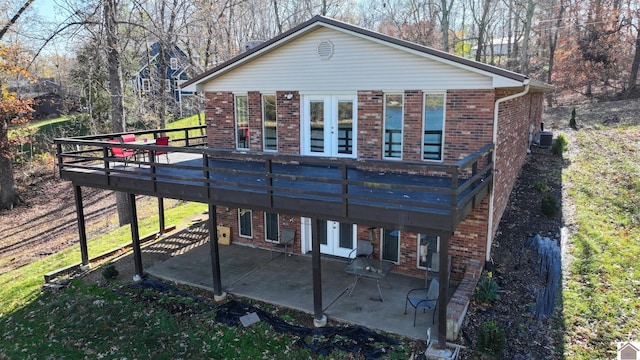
(390, 245)
(345, 127)
(322, 232)
(316, 123)
(346, 236)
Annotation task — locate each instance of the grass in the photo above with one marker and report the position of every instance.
(22, 285)
(118, 319)
(601, 297)
(188, 121)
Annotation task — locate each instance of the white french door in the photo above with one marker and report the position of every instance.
(336, 238)
(329, 125)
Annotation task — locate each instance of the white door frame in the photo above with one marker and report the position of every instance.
(331, 130)
(333, 238)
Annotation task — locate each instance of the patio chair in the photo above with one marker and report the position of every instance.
(120, 153)
(162, 141)
(128, 138)
(364, 248)
(287, 236)
(423, 298)
(434, 271)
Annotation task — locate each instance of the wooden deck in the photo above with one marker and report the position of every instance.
(405, 196)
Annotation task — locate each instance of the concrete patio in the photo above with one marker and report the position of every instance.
(253, 273)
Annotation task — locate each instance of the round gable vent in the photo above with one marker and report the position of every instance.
(325, 50)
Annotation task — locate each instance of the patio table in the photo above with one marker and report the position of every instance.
(368, 268)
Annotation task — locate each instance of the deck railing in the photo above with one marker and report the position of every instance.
(334, 181)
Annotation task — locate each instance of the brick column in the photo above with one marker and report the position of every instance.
(255, 120)
(370, 109)
(289, 119)
(412, 129)
(220, 118)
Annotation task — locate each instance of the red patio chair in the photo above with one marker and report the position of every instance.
(120, 153)
(128, 138)
(162, 141)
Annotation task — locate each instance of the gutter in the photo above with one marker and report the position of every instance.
(493, 159)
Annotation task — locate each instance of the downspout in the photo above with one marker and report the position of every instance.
(493, 159)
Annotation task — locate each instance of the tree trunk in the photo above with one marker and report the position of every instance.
(115, 88)
(8, 192)
(633, 76)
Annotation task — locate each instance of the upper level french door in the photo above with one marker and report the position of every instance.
(329, 125)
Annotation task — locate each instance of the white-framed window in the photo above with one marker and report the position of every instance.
(167, 85)
(427, 246)
(269, 123)
(271, 227)
(433, 126)
(173, 63)
(244, 223)
(390, 245)
(242, 122)
(393, 124)
(146, 85)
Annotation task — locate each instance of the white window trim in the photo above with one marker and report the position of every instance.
(146, 85)
(382, 245)
(264, 138)
(173, 63)
(167, 85)
(240, 222)
(384, 126)
(444, 124)
(235, 118)
(276, 241)
(418, 251)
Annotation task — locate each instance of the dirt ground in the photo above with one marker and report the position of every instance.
(47, 224)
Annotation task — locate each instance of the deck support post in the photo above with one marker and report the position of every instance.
(214, 252)
(161, 215)
(443, 297)
(319, 319)
(82, 231)
(135, 238)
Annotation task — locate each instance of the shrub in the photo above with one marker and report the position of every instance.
(549, 206)
(110, 272)
(541, 185)
(572, 121)
(486, 290)
(491, 339)
(560, 145)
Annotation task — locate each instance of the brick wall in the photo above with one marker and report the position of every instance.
(370, 108)
(288, 115)
(220, 119)
(412, 131)
(468, 124)
(254, 99)
(468, 127)
(230, 218)
(515, 117)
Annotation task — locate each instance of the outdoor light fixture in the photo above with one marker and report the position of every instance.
(288, 96)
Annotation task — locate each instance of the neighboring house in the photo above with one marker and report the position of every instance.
(177, 72)
(327, 88)
(45, 93)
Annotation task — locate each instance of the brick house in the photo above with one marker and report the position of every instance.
(331, 89)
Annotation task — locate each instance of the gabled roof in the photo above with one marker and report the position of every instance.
(321, 21)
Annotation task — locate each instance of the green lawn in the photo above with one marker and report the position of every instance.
(601, 296)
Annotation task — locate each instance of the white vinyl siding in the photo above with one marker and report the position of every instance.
(357, 63)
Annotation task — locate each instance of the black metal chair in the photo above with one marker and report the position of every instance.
(425, 299)
(287, 237)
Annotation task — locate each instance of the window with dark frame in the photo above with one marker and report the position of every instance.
(393, 122)
(269, 122)
(433, 126)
